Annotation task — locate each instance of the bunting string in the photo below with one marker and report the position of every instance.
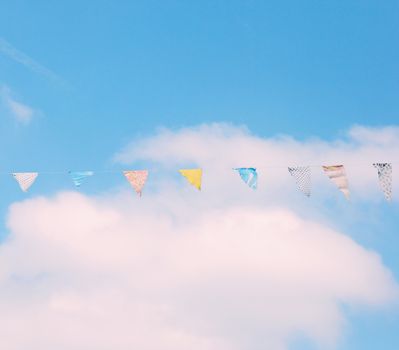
(301, 175)
(268, 166)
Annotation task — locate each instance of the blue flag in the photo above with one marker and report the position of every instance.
(79, 176)
(249, 176)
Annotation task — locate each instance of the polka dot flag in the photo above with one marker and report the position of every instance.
(385, 178)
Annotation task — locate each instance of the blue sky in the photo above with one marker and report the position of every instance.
(97, 75)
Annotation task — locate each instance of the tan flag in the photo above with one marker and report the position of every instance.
(337, 174)
(137, 178)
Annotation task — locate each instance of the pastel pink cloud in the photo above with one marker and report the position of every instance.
(227, 268)
(115, 272)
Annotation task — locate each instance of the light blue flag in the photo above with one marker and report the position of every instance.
(79, 176)
(249, 176)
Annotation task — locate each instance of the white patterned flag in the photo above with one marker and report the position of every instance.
(302, 177)
(337, 174)
(78, 177)
(25, 180)
(385, 178)
(137, 179)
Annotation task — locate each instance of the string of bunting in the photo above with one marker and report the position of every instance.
(301, 175)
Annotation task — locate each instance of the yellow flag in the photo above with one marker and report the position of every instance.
(193, 176)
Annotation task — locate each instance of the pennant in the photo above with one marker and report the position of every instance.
(137, 179)
(78, 177)
(302, 177)
(249, 176)
(385, 178)
(336, 173)
(193, 176)
(25, 180)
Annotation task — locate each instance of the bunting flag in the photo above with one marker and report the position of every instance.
(249, 176)
(25, 180)
(193, 176)
(337, 174)
(302, 177)
(385, 178)
(137, 179)
(78, 177)
(301, 174)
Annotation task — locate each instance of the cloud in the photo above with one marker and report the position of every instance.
(220, 147)
(80, 272)
(22, 113)
(223, 269)
(10, 51)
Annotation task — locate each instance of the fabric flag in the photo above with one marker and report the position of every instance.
(385, 178)
(137, 179)
(78, 177)
(302, 177)
(337, 174)
(25, 180)
(193, 176)
(249, 176)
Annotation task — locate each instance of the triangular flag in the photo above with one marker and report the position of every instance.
(78, 177)
(302, 177)
(25, 180)
(385, 178)
(337, 174)
(193, 176)
(249, 176)
(137, 179)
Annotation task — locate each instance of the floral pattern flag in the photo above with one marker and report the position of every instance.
(137, 178)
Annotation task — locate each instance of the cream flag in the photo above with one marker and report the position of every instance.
(337, 175)
(193, 176)
(137, 179)
(25, 180)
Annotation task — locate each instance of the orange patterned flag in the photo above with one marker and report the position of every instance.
(137, 179)
(25, 180)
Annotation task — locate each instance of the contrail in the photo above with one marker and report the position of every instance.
(8, 50)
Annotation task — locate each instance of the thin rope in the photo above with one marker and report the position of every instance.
(260, 167)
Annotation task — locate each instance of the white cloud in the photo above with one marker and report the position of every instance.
(20, 57)
(22, 113)
(220, 147)
(177, 269)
